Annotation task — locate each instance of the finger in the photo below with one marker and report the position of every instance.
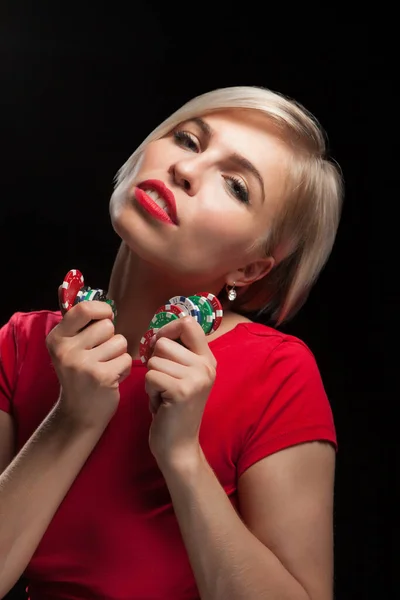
(123, 365)
(154, 403)
(120, 367)
(112, 348)
(168, 367)
(188, 330)
(170, 349)
(158, 384)
(95, 334)
(80, 315)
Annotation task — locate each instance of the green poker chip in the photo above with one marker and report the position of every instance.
(162, 318)
(206, 312)
(112, 304)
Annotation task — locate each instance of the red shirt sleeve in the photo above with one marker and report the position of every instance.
(290, 406)
(8, 363)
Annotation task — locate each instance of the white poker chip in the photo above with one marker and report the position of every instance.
(187, 305)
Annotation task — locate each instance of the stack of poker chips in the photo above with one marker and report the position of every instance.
(204, 307)
(74, 290)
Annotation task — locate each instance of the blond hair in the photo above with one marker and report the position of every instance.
(302, 234)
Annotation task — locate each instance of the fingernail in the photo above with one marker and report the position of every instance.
(153, 340)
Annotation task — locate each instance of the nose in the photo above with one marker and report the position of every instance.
(187, 174)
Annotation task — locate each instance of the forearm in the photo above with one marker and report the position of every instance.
(34, 485)
(228, 561)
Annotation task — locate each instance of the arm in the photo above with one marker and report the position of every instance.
(282, 549)
(7, 440)
(90, 362)
(44, 469)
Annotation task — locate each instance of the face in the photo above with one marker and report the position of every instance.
(225, 174)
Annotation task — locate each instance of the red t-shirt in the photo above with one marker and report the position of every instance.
(115, 534)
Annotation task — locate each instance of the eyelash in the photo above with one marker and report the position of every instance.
(182, 137)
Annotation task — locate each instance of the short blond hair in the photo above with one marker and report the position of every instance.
(302, 234)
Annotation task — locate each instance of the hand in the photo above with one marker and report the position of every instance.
(90, 362)
(178, 382)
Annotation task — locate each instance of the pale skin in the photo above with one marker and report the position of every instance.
(281, 545)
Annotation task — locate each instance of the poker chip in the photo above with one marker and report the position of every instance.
(112, 304)
(81, 293)
(72, 283)
(204, 307)
(188, 305)
(162, 318)
(144, 347)
(173, 308)
(206, 311)
(73, 291)
(217, 307)
(100, 296)
(93, 294)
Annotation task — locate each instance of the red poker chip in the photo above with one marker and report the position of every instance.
(144, 349)
(72, 283)
(172, 308)
(217, 309)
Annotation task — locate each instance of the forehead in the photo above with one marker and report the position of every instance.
(248, 131)
(252, 122)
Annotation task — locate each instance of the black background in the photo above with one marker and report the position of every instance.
(80, 89)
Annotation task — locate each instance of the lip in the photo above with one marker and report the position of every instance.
(152, 207)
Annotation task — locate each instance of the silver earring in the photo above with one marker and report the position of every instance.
(231, 292)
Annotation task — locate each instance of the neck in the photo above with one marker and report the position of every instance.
(138, 290)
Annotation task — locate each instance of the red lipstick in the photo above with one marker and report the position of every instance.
(165, 196)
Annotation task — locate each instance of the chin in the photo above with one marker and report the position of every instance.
(136, 238)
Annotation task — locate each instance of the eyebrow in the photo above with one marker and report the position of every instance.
(235, 158)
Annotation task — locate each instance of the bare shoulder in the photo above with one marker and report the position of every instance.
(286, 500)
(7, 440)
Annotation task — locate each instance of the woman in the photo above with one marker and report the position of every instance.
(209, 471)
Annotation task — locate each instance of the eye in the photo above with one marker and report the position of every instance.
(183, 138)
(238, 189)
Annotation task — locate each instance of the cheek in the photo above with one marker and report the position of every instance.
(156, 157)
(222, 220)
(221, 236)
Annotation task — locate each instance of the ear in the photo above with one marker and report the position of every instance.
(251, 272)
